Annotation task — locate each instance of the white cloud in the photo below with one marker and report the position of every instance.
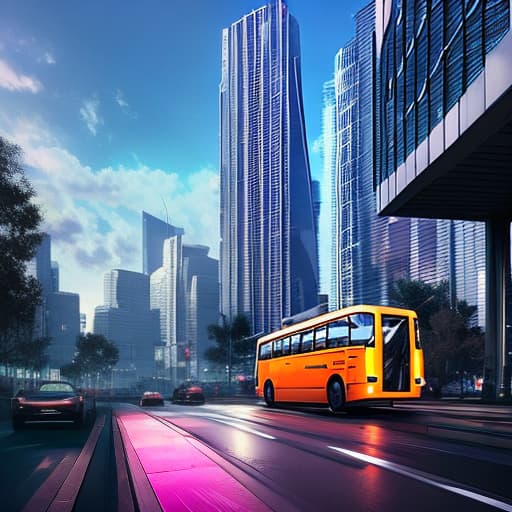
(49, 58)
(13, 81)
(125, 107)
(94, 216)
(89, 114)
(120, 99)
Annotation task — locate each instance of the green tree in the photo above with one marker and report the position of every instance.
(424, 298)
(450, 346)
(232, 342)
(19, 238)
(95, 356)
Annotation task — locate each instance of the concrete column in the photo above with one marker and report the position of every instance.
(498, 254)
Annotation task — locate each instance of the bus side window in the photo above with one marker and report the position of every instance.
(278, 348)
(286, 346)
(295, 343)
(320, 337)
(265, 351)
(338, 334)
(307, 341)
(361, 329)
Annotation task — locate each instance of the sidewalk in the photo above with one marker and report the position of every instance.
(171, 470)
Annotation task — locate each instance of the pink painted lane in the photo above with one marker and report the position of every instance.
(182, 476)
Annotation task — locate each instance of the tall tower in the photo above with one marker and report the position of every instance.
(359, 248)
(268, 259)
(154, 232)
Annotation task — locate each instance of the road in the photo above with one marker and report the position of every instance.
(419, 456)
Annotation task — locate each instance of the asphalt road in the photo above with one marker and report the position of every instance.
(367, 460)
(424, 456)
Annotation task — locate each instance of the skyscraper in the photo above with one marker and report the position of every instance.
(167, 300)
(328, 212)
(268, 243)
(185, 298)
(154, 232)
(125, 319)
(58, 316)
(201, 289)
(359, 236)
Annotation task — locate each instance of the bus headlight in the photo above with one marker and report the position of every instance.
(370, 390)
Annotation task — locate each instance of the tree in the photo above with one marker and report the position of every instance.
(19, 238)
(232, 342)
(95, 355)
(424, 298)
(450, 345)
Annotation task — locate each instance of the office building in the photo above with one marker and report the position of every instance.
(443, 124)
(125, 319)
(185, 299)
(58, 315)
(154, 232)
(268, 253)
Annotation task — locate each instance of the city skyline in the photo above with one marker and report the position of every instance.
(110, 125)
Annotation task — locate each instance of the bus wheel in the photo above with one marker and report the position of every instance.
(268, 392)
(336, 395)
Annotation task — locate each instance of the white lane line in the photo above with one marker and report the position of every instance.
(20, 447)
(424, 477)
(244, 428)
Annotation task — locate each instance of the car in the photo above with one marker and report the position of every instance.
(188, 393)
(52, 401)
(151, 398)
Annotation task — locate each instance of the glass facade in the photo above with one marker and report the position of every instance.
(125, 319)
(431, 53)
(154, 232)
(268, 253)
(360, 253)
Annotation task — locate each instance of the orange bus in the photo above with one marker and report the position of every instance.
(348, 356)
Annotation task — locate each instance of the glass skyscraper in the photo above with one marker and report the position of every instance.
(154, 232)
(268, 254)
(125, 319)
(360, 249)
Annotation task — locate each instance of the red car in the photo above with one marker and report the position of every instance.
(52, 401)
(151, 398)
(188, 393)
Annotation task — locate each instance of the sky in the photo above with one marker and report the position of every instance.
(115, 106)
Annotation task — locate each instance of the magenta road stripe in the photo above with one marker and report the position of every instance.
(70, 472)
(182, 476)
(144, 494)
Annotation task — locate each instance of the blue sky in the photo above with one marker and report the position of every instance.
(115, 104)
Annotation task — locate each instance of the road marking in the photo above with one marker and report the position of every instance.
(20, 447)
(244, 428)
(60, 490)
(423, 477)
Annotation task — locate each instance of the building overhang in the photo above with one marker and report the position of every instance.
(463, 169)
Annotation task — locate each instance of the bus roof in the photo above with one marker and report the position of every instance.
(332, 315)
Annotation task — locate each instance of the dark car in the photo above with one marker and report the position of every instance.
(188, 393)
(52, 401)
(151, 398)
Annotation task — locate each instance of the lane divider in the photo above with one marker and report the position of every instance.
(425, 478)
(60, 490)
(124, 489)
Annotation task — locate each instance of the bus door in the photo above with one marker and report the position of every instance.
(395, 353)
